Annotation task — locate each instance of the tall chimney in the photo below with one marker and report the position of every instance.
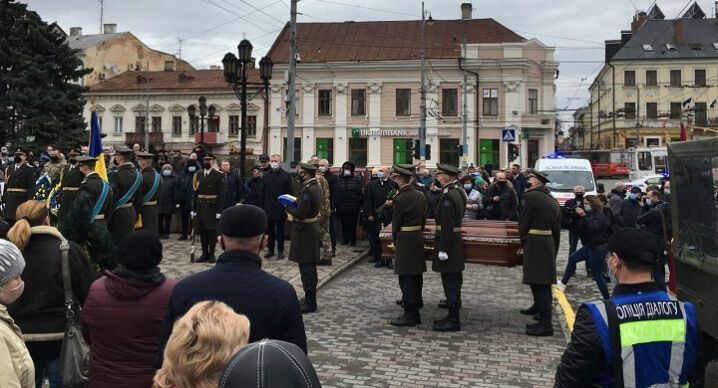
(638, 20)
(466, 11)
(678, 35)
(109, 28)
(76, 31)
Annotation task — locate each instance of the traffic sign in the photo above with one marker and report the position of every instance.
(508, 135)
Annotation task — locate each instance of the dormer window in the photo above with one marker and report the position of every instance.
(648, 47)
(670, 47)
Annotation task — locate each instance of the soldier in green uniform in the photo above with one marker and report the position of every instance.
(540, 232)
(208, 202)
(54, 167)
(409, 209)
(126, 182)
(304, 246)
(70, 180)
(448, 245)
(151, 181)
(19, 185)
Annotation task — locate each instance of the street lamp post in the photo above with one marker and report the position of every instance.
(203, 111)
(265, 73)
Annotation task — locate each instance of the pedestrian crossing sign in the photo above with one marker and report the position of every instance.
(508, 135)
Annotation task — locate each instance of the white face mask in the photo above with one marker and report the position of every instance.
(322, 169)
(9, 296)
(468, 186)
(347, 172)
(274, 165)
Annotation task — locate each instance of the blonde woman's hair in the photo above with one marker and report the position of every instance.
(202, 343)
(28, 214)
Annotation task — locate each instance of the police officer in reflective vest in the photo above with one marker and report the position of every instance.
(641, 337)
(150, 191)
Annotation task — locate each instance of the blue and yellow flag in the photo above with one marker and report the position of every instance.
(96, 146)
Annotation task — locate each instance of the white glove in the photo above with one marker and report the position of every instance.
(219, 215)
(443, 256)
(193, 214)
(177, 206)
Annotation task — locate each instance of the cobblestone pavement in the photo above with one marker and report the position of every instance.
(176, 262)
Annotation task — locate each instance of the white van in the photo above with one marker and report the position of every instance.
(565, 174)
(647, 161)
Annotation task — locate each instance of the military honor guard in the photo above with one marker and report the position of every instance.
(150, 192)
(208, 201)
(126, 182)
(448, 246)
(540, 232)
(70, 180)
(409, 210)
(19, 185)
(304, 247)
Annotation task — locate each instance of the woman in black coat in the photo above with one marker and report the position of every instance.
(183, 195)
(166, 202)
(349, 202)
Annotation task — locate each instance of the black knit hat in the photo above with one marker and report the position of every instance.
(141, 250)
(635, 246)
(270, 364)
(242, 221)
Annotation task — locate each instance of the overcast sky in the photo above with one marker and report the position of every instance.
(210, 28)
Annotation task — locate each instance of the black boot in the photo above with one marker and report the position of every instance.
(389, 264)
(530, 311)
(443, 304)
(408, 319)
(539, 330)
(310, 302)
(452, 322)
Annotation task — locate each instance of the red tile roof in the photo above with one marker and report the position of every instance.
(387, 40)
(174, 81)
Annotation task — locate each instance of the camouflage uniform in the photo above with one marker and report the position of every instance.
(324, 217)
(53, 169)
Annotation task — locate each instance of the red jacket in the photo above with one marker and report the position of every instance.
(121, 321)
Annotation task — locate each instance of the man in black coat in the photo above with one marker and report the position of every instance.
(70, 180)
(333, 181)
(253, 188)
(519, 181)
(270, 303)
(19, 185)
(275, 182)
(232, 185)
(208, 199)
(375, 196)
(126, 185)
(151, 186)
(570, 217)
(631, 208)
(502, 200)
(657, 220)
(349, 203)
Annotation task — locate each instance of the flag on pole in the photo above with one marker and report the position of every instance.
(714, 103)
(684, 135)
(96, 146)
(686, 103)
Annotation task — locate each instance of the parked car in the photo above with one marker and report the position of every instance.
(651, 180)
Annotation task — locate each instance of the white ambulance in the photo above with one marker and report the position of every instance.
(567, 173)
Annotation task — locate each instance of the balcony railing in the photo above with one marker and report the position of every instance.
(131, 138)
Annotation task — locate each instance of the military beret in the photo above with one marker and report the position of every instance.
(542, 176)
(123, 150)
(307, 167)
(402, 170)
(635, 246)
(447, 169)
(144, 155)
(82, 159)
(233, 221)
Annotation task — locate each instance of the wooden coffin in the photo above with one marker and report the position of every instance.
(485, 242)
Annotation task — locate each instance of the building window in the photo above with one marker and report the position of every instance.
(233, 125)
(652, 110)
(533, 101)
(213, 124)
(325, 149)
(193, 125)
(403, 102)
(651, 78)
(358, 151)
(701, 116)
(675, 78)
(449, 102)
(139, 124)
(700, 77)
(325, 102)
(629, 78)
(491, 102)
(489, 152)
(297, 149)
(176, 126)
(156, 124)
(251, 126)
(358, 102)
(629, 110)
(675, 110)
(118, 124)
(403, 151)
(449, 151)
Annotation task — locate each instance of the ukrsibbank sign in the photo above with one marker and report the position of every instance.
(387, 132)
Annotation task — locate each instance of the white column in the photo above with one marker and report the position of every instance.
(308, 110)
(432, 123)
(374, 142)
(276, 113)
(341, 144)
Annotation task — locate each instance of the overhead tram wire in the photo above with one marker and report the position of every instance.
(368, 8)
(211, 2)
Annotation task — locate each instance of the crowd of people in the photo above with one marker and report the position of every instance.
(234, 323)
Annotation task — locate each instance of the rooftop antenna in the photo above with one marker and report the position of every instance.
(102, 12)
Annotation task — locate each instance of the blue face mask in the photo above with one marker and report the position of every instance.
(192, 169)
(632, 196)
(380, 174)
(167, 172)
(649, 202)
(587, 208)
(468, 186)
(667, 192)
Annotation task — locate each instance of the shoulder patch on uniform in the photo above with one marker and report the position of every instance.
(447, 203)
